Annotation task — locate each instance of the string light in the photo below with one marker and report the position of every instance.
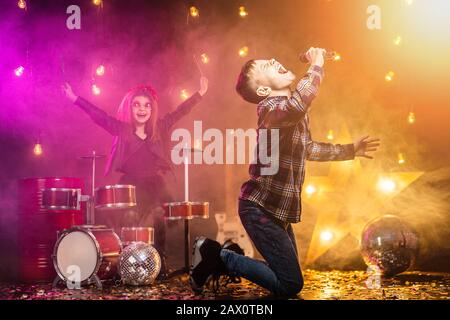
(389, 76)
(401, 158)
(397, 40)
(95, 90)
(97, 2)
(386, 185)
(411, 117)
(243, 12)
(330, 135)
(205, 59)
(22, 4)
(100, 71)
(194, 12)
(326, 236)
(184, 94)
(243, 52)
(19, 71)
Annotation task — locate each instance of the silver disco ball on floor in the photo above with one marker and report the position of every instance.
(389, 244)
(139, 264)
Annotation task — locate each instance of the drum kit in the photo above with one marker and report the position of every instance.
(89, 253)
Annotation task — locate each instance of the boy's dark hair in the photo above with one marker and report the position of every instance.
(244, 86)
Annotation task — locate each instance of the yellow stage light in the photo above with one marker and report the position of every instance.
(326, 236)
(401, 158)
(205, 58)
(243, 12)
(330, 135)
(100, 71)
(194, 12)
(411, 117)
(95, 90)
(97, 2)
(389, 76)
(243, 52)
(386, 185)
(184, 94)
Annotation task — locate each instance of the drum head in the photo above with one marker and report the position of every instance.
(77, 249)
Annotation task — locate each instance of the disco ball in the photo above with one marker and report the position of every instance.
(139, 264)
(389, 245)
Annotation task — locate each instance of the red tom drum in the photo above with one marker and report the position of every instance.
(178, 210)
(200, 210)
(115, 197)
(134, 234)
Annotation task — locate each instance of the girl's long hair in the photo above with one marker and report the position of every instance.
(124, 111)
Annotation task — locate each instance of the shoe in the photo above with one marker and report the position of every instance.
(206, 262)
(228, 277)
(233, 246)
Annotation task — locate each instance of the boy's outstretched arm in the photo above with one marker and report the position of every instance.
(321, 151)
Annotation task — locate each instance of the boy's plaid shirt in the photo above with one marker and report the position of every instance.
(280, 194)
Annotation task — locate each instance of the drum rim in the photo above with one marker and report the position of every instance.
(97, 246)
(200, 202)
(116, 186)
(178, 203)
(119, 205)
(62, 189)
(137, 228)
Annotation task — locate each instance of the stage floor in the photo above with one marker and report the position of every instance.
(319, 285)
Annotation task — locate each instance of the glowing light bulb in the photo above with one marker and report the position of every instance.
(193, 11)
(243, 12)
(22, 4)
(386, 185)
(411, 117)
(389, 76)
(100, 71)
(397, 40)
(205, 59)
(337, 57)
(401, 158)
(95, 90)
(326, 236)
(330, 135)
(97, 2)
(243, 52)
(37, 150)
(184, 94)
(19, 71)
(310, 190)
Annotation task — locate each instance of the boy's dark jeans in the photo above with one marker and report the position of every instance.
(281, 274)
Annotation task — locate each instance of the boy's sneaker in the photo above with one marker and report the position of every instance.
(206, 262)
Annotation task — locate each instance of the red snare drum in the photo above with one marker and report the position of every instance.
(61, 199)
(134, 234)
(95, 250)
(115, 197)
(200, 210)
(178, 210)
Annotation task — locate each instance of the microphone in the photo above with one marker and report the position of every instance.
(328, 55)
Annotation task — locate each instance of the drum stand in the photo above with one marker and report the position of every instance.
(187, 234)
(92, 280)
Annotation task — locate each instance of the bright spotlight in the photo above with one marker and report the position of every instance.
(310, 189)
(386, 185)
(243, 52)
(326, 236)
(95, 90)
(19, 71)
(100, 71)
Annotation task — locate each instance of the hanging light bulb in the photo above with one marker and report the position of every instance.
(397, 40)
(243, 12)
(100, 71)
(194, 12)
(337, 57)
(19, 71)
(95, 90)
(243, 52)
(389, 76)
(411, 117)
(330, 135)
(205, 58)
(310, 190)
(97, 2)
(401, 158)
(37, 149)
(22, 4)
(184, 94)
